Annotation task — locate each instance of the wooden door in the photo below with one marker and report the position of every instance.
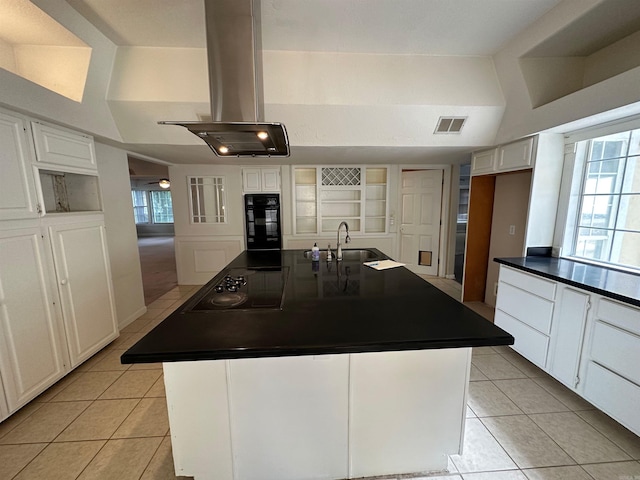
(86, 292)
(31, 357)
(421, 203)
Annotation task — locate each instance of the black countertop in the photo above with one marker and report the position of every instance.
(346, 308)
(608, 282)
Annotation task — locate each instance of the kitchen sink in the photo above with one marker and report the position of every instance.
(348, 254)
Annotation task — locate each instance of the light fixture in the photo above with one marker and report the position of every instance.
(262, 135)
(164, 183)
(223, 149)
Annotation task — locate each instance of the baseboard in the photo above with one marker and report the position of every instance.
(131, 318)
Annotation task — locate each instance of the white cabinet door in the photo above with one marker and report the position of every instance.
(251, 180)
(567, 335)
(270, 179)
(61, 147)
(31, 358)
(86, 292)
(515, 156)
(483, 162)
(18, 191)
(289, 417)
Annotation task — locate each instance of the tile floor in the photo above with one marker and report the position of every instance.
(108, 421)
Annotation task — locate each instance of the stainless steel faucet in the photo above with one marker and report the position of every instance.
(347, 239)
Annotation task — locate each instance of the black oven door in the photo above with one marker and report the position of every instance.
(262, 215)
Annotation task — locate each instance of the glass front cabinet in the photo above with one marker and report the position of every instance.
(327, 195)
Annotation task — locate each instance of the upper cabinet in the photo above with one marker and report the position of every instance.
(257, 180)
(18, 192)
(504, 158)
(58, 147)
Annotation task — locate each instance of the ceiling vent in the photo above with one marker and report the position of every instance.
(450, 124)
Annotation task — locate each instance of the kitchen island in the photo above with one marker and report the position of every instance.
(325, 370)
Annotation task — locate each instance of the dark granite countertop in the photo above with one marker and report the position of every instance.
(324, 312)
(608, 282)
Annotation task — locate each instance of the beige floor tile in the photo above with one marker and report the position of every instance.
(131, 340)
(503, 349)
(146, 366)
(99, 421)
(625, 439)
(151, 313)
(57, 387)
(61, 461)
(507, 475)
(157, 390)
(481, 452)
(148, 419)
(483, 351)
(110, 362)
(122, 459)
(476, 375)
(495, 367)
(557, 473)
(90, 362)
(163, 304)
(14, 458)
(486, 400)
(136, 326)
(132, 384)
(17, 418)
(46, 423)
(118, 343)
(562, 393)
(524, 365)
(88, 386)
(579, 439)
(161, 465)
(525, 443)
(482, 309)
(617, 471)
(437, 477)
(529, 396)
(470, 414)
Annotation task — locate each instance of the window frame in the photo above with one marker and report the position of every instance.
(149, 206)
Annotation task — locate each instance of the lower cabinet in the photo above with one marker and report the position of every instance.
(590, 343)
(31, 354)
(56, 305)
(84, 282)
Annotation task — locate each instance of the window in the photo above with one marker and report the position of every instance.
(161, 210)
(207, 202)
(607, 214)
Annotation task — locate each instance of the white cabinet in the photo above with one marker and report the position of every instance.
(569, 324)
(516, 155)
(611, 378)
(31, 357)
(59, 147)
(84, 281)
(256, 180)
(18, 192)
(524, 308)
(504, 158)
(483, 162)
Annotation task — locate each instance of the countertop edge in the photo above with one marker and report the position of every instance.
(513, 263)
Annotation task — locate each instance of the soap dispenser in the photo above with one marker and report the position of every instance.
(315, 253)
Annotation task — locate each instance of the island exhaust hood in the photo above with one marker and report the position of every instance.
(234, 51)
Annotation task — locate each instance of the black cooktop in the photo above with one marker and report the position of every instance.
(243, 289)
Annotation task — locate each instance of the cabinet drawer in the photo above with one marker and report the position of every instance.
(613, 394)
(530, 309)
(531, 283)
(530, 343)
(620, 315)
(617, 350)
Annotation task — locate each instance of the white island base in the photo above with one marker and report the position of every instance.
(317, 417)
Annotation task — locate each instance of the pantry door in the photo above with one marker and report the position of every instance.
(421, 205)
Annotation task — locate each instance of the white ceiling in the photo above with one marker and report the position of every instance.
(445, 28)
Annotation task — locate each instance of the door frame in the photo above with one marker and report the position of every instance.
(445, 212)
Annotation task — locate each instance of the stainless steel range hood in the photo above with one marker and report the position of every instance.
(234, 50)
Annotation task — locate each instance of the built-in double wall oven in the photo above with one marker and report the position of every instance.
(262, 221)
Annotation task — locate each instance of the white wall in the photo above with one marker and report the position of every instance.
(520, 117)
(121, 233)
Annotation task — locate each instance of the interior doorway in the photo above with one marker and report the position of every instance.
(158, 265)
